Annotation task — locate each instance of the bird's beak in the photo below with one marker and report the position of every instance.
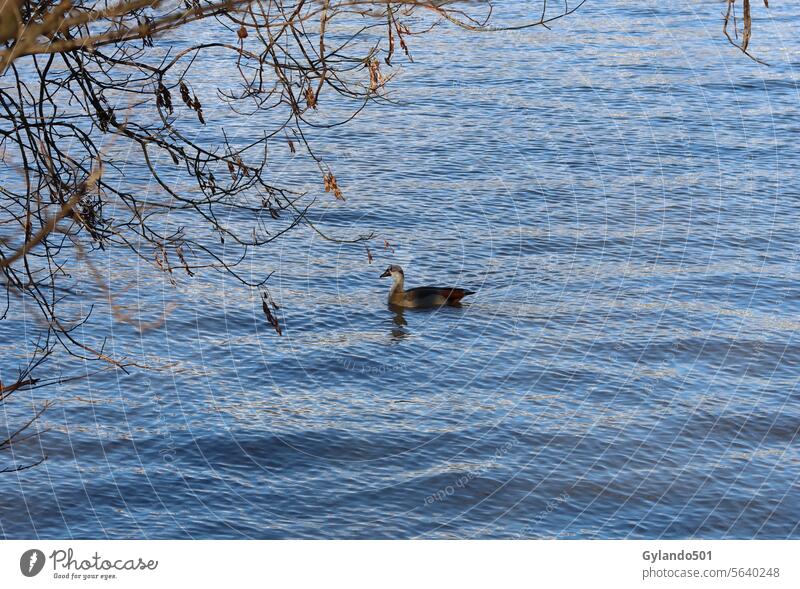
(385, 274)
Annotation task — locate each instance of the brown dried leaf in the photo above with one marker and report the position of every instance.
(311, 98)
(375, 77)
(331, 186)
(245, 170)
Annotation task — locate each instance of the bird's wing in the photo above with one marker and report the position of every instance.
(451, 294)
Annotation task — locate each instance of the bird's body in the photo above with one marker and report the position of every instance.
(423, 296)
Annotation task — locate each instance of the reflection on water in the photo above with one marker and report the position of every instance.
(398, 322)
(620, 192)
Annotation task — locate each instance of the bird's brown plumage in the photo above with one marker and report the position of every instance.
(422, 296)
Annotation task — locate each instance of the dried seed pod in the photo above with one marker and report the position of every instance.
(198, 109)
(163, 97)
(185, 96)
(266, 303)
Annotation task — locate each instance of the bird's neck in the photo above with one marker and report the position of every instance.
(397, 287)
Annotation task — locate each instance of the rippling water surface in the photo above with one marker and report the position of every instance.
(621, 192)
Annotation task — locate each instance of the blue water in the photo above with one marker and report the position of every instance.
(622, 193)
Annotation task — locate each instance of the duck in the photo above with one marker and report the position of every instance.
(422, 297)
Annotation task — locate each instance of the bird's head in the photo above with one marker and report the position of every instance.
(395, 272)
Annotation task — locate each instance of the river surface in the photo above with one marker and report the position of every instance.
(622, 193)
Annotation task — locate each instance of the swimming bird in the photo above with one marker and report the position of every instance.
(422, 296)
